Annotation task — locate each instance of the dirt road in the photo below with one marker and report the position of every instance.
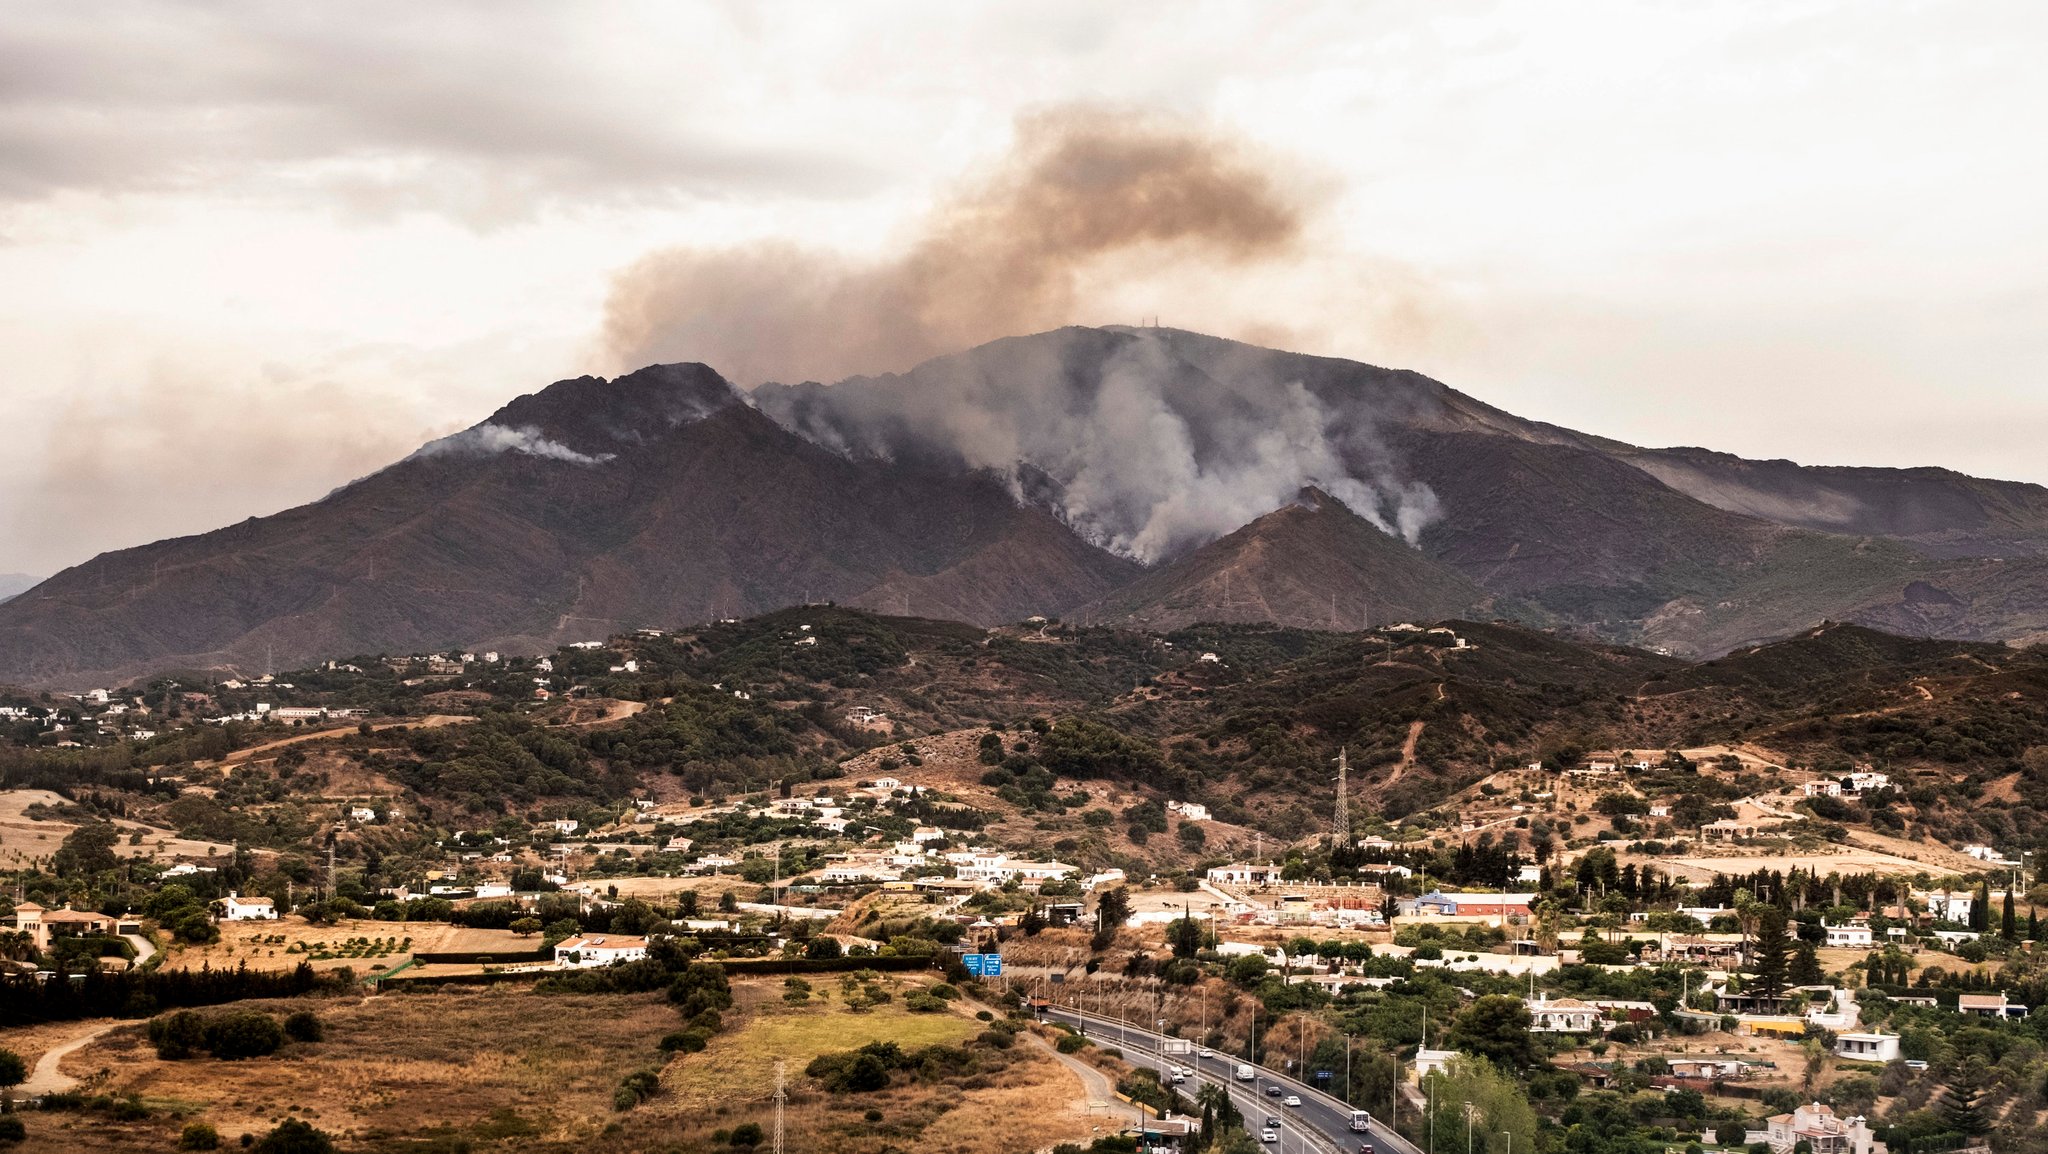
(46, 1078)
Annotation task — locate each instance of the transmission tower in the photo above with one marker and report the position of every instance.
(781, 1096)
(1341, 823)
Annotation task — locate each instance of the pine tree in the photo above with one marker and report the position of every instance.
(1962, 1103)
(1772, 947)
(1806, 969)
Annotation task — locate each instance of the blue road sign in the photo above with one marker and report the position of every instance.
(983, 965)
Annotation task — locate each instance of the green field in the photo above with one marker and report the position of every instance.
(739, 1065)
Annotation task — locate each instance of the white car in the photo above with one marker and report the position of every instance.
(1207, 1053)
(1269, 1136)
(1291, 1100)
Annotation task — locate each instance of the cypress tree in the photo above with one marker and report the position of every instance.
(1980, 910)
(1772, 948)
(2009, 925)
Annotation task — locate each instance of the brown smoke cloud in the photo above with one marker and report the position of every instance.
(1015, 250)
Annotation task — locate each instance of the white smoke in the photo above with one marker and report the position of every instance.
(489, 439)
(1146, 457)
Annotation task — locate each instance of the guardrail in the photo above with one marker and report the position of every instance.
(1392, 1139)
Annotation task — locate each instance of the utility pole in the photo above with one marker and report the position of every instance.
(781, 1097)
(1341, 824)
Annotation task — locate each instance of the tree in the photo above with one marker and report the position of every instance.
(13, 1072)
(89, 850)
(1805, 969)
(1496, 1101)
(1770, 953)
(1496, 1028)
(2009, 926)
(525, 927)
(1980, 910)
(1112, 910)
(1186, 936)
(1962, 1102)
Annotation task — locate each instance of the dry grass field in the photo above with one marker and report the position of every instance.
(254, 942)
(24, 839)
(482, 1066)
(508, 1068)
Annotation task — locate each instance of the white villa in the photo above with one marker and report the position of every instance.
(585, 952)
(236, 908)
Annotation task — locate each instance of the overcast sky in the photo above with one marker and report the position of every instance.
(249, 252)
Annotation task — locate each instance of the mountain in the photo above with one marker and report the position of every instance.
(1146, 476)
(590, 507)
(13, 583)
(1312, 564)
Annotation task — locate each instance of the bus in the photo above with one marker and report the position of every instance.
(1360, 1120)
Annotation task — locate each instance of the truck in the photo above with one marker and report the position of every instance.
(1244, 1072)
(1360, 1121)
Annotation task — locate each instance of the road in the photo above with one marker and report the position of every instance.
(144, 949)
(1321, 1124)
(46, 1078)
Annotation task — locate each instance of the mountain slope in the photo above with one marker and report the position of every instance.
(589, 507)
(1311, 564)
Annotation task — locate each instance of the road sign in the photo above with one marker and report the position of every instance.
(983, 965)
(1323, 1075)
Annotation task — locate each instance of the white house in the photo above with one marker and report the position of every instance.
(1429, 1062)
(1563, 1016)
(1244, 874)
(927, 833)
(1188, 810)
(1862, 781)
(363, 813)
(1853, 936)
(1824, 787)
(236, 908)
(564, 824)
(1817, 1126)
(1867, 1047)
(583, 952)
(1949, 906)
(1989, 1006)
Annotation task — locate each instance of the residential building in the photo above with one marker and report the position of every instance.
(236, 908)
(1244, 874)
(1818, 1127)
(1867, 1047)
(1989, 1006)
(584, 952)
(1563, 1016)
(1188, 810)
(1948, 906)
(1853, 936)
(1441, 904)
(1824, 787)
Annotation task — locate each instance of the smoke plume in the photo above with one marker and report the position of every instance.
(1008, 253)
(488, 439)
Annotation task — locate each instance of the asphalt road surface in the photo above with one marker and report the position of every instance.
(1320, 1125)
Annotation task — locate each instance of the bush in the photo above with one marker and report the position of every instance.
(178, 1035)
(293, 1136)
(304, 1026)
(245, 1034)
(199, 1136)
(12, 1129)
(1073, 1044)
(747, 1134)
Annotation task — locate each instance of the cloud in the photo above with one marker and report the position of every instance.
(485, 112)
(1084, 191)
(488, 438)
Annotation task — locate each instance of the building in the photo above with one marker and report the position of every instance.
(1823, 1133)
(1244, 874)
(236, 908)
(1867, 1047)
(1563, 1016)
(998, 868)
(1727, 830)
(1440, 904)
(363, 813)
(1188, 810)
(1825, 787)
(1949, 906)
(1863, 781)
(42, 924)
(1854, 936)
(1429, 1062)
(584, 952)
(1989, 1006)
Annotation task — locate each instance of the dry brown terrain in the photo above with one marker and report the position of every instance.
(24, 838)
(253, 943)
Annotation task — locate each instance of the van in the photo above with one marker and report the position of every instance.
(1244, 1072)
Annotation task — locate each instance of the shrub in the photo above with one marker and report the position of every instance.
(12, 1129)
(245, 1034)
(747, 1134)
(199, 1136)
(177, 1035)
(293, 1136)
(304, 1026)
(1073, 1044)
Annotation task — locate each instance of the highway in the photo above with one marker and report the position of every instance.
(1320, 1125)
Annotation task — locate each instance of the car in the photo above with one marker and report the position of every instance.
(1177, 1077)
(1292, 1100)
(1208, 1053)
(1365, 1148)
(1272, 1091)
(1269, 1136)
(1272, 1123)
(1915, 1064)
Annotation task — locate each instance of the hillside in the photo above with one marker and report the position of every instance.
(1142, 476)
(1311, 564)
